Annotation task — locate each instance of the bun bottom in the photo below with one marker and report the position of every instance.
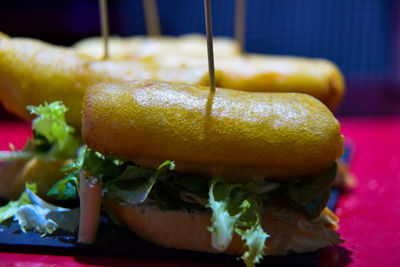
(289, 231)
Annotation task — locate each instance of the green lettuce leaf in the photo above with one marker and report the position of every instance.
(135, 183)
(223, 223)
(68, 188)
(8, 211)
(101, 166)
(235, 209)
(51, 123)
(104, 167)
(65, 189)
(305, 190)
(314, 207)
(133, 186)
(254, 238)
(52, 137)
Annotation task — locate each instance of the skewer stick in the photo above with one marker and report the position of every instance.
(104, 26)
(151, 17)
(210, 50)
(240, 23)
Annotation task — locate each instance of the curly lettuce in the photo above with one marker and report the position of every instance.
(67, 188)
(50, 123)
(52, 135)
(254, 238)
(53, 138)
(234, 210)
(34, 214)
(8, 211)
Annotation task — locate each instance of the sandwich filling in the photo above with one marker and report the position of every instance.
(235, 208)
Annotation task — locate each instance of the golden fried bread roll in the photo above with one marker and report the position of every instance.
(259, 73)
(144, 47)
(184, 59)
(275, 135)
(32, 72)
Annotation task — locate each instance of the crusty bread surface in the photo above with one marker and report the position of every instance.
(287, 135)
(289, 231)
(182, 59)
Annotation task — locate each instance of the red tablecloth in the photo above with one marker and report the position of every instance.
(369, 216)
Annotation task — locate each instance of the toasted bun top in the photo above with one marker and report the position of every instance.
(287, 133)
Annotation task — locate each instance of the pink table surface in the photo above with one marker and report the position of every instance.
(369, 215)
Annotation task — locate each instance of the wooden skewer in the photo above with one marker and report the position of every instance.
(240, 23)
(151, 17)
(210, 49)
(104, 26)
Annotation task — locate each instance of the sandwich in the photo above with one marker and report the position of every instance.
(174, 56)
(225, 172)
(32, 72)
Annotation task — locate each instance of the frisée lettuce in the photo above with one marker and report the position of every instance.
(34, 214)
(8, 211)
(53, 138)
(52, 135)
(234, 210)
(67, 188)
